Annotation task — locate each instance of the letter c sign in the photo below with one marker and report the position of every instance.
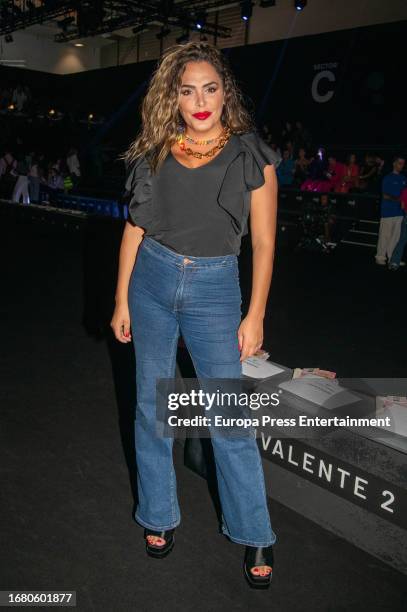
(325, 74)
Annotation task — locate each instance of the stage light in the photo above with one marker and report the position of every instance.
(79, 45)
(300, 4)
(246, 12)
(90, 116)
(10, 107)
(200, 21)
(51, 111)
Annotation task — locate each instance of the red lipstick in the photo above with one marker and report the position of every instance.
(202, 115)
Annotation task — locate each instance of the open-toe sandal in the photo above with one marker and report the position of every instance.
(160, 550)
(257, 557)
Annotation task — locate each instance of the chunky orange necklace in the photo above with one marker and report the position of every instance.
(222, 141)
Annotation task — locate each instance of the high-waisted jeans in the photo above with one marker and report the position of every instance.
(200, 298)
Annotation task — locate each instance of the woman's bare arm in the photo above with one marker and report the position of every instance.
(263, 223)
(131, 239)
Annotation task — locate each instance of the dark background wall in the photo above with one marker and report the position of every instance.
(359, 73)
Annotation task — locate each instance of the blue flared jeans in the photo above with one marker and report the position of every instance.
(199, 297)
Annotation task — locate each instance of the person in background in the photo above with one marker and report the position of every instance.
(74, 168)
(34, 179)
(290, 148)
(59, 165)
(368, 173)
(391, 212)
(285, 171)
(55, 180)
(382, 169)
(319, 178)
(350, 178)
(396, 258)
(336, 171)
(8, 174)
(301, 165)
(5, 98)
(19, 98)
(328, 218)
(274, 146)
(21, 186)
(55, 184)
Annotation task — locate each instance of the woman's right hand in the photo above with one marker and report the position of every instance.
(120, 322)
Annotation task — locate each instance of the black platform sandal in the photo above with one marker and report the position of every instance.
(255, 557)
(159, 551)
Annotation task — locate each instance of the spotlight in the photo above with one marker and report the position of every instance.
(246, 12)
(300, 4)
(200, 21)
(79, 45)
(90, 116)
(8, 38)
(10, 107)
(51, 111)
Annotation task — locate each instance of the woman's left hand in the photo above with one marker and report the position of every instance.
(250, 336)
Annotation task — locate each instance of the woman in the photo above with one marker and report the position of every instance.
(195, 170)
(301, 167)
(350, 178)
(318, 174)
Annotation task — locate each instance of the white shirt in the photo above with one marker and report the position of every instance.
(73, 164)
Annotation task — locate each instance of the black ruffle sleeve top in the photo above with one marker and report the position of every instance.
(201, 211)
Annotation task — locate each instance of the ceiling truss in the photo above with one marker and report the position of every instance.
(85, 18)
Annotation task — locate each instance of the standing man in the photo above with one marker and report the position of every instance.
(73, 164)
(391, 212)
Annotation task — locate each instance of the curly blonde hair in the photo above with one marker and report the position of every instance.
(159, 108)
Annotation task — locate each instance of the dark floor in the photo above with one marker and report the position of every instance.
(66, 513)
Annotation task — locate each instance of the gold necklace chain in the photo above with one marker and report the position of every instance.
(222, 141)
(202, 142)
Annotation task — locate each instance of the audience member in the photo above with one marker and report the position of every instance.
(350, 177)
(301, 167)
(328, 217)
(8, 174)
(21, 186)
(319, 179)
(368, 174)
(34, 179)
(73, 164)
(391, 212)
(285, 170)
(336, 171)
(19, 98)
(396, 258)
